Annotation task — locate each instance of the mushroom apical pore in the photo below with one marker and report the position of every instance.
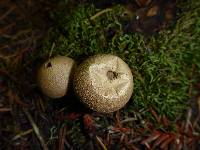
(54, 76)
(103, 82)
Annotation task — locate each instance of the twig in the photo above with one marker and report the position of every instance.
(14, 97)
(118, 122)
(101, 143)
(22, 134)
(100, 13)
(62, 135)
(36, 129)
(128, 120)
(5, 73)
(7, 27)
(191, 85)
(189, 114)
(16, 36)
(198, 116)
(5, 109)
(2, 47)
(20, 33)
(16, 55)
(50, 53)
(2, 56)
(7, 13)
(68, 145)
(155, 115)
(122, 138)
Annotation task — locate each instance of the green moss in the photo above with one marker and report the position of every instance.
(77, 35)
(162, 66)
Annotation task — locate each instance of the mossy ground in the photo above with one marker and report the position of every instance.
(164, 65)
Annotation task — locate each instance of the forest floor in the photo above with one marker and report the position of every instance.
(158, 39)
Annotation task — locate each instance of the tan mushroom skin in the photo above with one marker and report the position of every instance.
(54, 76)
(104, 83)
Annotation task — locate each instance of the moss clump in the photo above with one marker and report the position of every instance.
(162, 65)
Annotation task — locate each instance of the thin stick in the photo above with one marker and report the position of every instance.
(62, 135)
(36, 129)
(4, 29)
(22, 134)
(5, 109)
(100, 13)
(7, 13)
(188, 123)
(51, 51)
(101, 143)
(128, 120)
(198, 116)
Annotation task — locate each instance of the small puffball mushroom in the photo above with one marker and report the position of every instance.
(54, 76)
(103, 82)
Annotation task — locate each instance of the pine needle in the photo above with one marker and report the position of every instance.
(36, 129)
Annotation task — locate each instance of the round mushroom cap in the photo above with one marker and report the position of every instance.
(103, 82)
(54, 76)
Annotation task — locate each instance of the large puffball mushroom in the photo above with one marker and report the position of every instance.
(54, 76)
(103, 82)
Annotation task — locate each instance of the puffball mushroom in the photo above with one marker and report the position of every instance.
(54, 76)
(103, 82)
